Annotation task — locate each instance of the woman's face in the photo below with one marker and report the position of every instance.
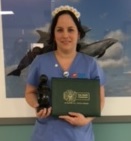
(66, 33)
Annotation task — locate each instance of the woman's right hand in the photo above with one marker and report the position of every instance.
(44, 113)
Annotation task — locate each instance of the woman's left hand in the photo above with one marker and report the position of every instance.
(76, 119)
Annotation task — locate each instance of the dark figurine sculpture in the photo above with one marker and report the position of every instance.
(44, 93)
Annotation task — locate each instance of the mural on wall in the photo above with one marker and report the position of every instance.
(108, 30)
(20, 36)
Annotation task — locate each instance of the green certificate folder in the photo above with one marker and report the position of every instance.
(75, 95)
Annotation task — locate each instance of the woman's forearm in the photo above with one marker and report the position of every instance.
(31, 97)
(32, 100)
(102, 97)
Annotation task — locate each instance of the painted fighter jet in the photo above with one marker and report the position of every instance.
(95, 49)
(98, 48)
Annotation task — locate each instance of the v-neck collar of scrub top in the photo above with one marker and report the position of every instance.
(72, 66)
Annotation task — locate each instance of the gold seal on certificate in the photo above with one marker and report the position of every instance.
(75, 95)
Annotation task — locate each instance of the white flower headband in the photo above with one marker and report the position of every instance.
(66, 7)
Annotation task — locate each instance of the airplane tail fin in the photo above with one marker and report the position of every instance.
(15, 72)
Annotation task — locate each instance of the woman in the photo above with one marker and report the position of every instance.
(65, 32)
